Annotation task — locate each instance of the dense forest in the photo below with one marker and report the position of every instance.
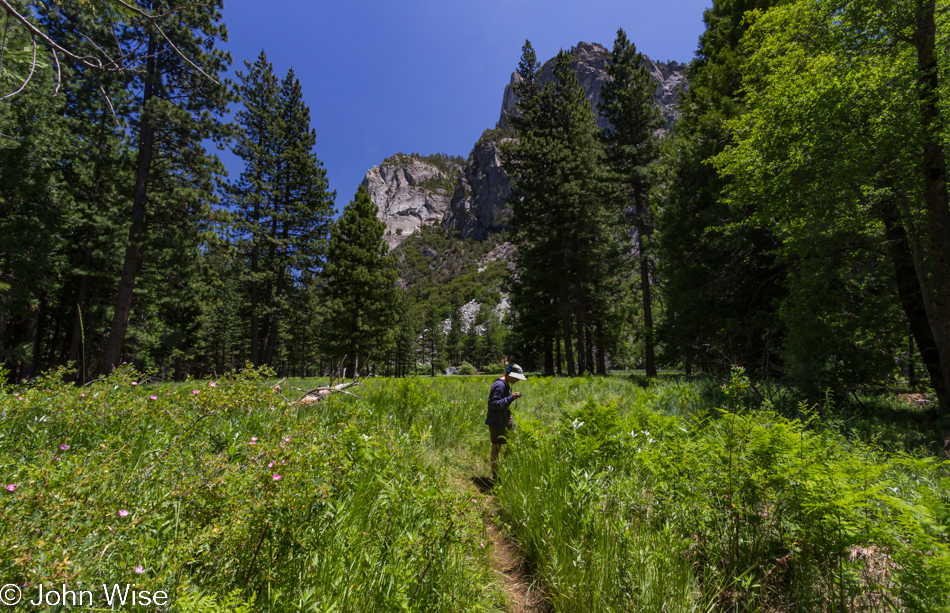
(793, 221)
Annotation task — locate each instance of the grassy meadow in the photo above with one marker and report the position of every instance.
(623, 495)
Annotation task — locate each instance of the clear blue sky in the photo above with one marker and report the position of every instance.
(427, 76)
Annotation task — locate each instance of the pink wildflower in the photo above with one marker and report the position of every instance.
(287, 440)
(139, 569)
(64, 447)
(195, 392)
(254, 438)
(123, 513)
(82, 395)
(271, 465)
(19, 397)
(212, 384)
(277, 477)
(153, 397)
(12, 487)
(134, 383)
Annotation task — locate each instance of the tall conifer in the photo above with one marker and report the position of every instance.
(631, 146)
(557, 213)
(360, 286)
(284, 200)
(177, 110)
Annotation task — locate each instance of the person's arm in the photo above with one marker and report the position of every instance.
(497, 399)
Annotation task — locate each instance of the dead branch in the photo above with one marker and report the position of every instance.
(105, 63)
(323, 391)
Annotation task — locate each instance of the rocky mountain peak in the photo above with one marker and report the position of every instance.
(412, 190)
(479, 203)
(589, 61)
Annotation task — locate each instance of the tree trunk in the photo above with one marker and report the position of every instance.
(590, 348)
(911, 373)
(76, 343)
(548, 356)
(255, 303)
(566, 328)
(934, 168)
(601, 352)
(133, 252)
(34, 336)
(910, 293)
(581, 338)
(649, 359)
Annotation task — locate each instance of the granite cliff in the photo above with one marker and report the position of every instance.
(479, 203)
(590, 64)
(470, 196)
(411, 190)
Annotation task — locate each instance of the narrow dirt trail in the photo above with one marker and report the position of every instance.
(523, 595)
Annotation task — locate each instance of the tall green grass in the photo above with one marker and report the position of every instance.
(737, 507)
(624, 495)
(228, 494)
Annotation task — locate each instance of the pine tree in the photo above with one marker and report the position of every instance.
(35, 211)
(256, 139)
(631, 146)
(284, 200)
(360, 291)
(298, 230)
(176, 111)
(559, 220)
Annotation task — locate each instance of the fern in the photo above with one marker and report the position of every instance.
(211, 603)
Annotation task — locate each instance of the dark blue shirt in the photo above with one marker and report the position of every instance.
(499, 399)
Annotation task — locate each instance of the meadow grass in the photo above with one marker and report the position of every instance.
(226, 495)
(687, 496)
(624, 494)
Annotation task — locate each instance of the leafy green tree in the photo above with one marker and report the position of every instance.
(630, 147)
(360, 286)
(722, 283)
(255, 145)
(841, 152)
(35, 210)
(454, 338)
(98, 109)
(24, 55)
(405, 351)
(283, 197)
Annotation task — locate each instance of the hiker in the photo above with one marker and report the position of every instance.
(499, 414)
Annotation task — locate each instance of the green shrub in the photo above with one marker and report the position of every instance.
(467, 369)
(494, 369)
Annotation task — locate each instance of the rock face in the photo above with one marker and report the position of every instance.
(469, 311)
(410, 192)
(478, 207)
(471, 198)
(590, 65)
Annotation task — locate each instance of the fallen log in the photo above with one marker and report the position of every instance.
(319, 393)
